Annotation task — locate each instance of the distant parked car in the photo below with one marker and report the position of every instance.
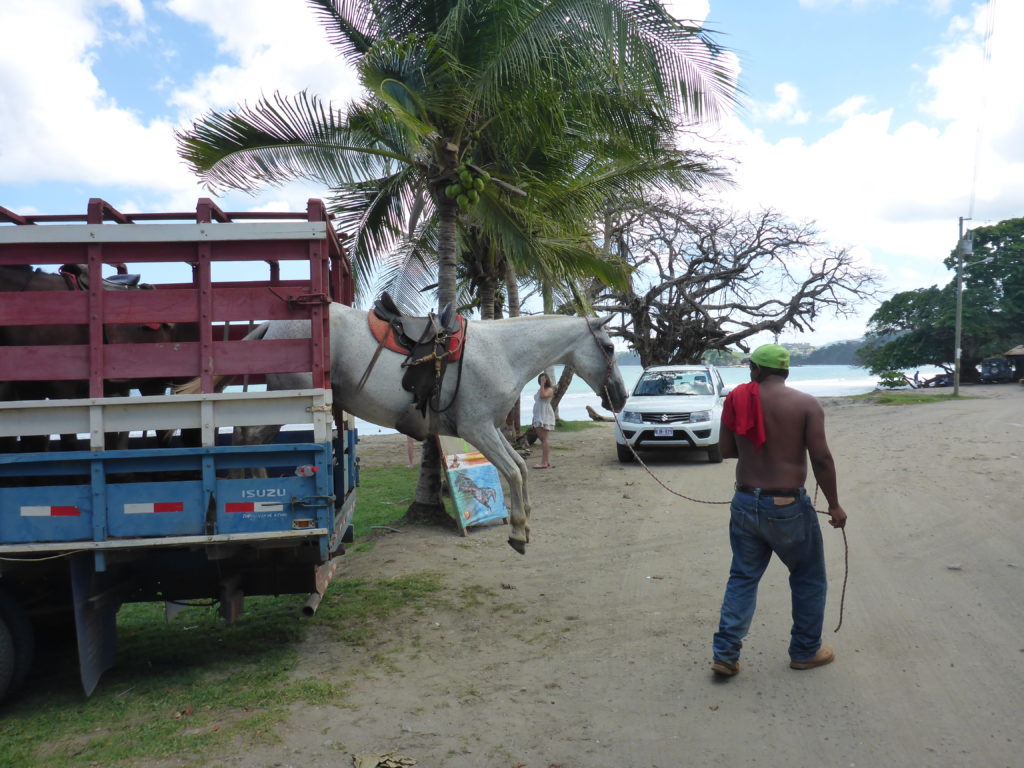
(940, 380)
(995, 370)
(673, 406)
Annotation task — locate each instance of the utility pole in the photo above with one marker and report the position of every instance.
(962, 248)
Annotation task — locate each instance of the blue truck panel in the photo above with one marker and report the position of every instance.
(45, 513)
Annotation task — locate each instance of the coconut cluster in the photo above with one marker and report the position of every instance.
(466, 191)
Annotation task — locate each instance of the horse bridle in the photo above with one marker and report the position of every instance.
(609, 360)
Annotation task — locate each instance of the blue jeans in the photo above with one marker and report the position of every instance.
(758, 527)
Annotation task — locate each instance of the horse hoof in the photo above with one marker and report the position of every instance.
(518, 545)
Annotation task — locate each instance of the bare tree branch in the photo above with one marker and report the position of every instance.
(710, 278)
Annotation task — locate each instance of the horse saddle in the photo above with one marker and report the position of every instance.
(77, 278)
(428, 343)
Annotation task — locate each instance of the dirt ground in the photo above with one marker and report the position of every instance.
(592, 651)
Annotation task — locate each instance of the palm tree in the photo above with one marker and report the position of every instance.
(449, 78)
(452, 81)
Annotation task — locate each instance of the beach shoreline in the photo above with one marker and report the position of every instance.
(592, 650)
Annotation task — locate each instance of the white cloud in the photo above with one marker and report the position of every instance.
(894, 191)
(786, 108)
(852, 106)
(273, 45)
(689, 10)
(59, 124)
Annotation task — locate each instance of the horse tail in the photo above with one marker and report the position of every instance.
(195, 387)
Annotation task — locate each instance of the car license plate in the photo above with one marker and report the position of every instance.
(663, 431)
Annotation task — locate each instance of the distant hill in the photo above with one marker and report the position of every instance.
(839, 353)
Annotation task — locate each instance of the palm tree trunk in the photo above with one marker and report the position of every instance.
(447, 257)
(427, 504)
(548, 298)
(488, 288)
(512, 289)
(514, 418)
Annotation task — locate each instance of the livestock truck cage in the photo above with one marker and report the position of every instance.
(112, 499)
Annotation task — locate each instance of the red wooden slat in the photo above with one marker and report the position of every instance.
(43, 254)
(44, 308)
(131, 361)
(237, 301)
(180, 361)
(55, 363)
(264, 356)
(96, 317)
(241, 303)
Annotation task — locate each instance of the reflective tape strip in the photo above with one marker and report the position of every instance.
(158, 506)
(253, 506)
(55, 511)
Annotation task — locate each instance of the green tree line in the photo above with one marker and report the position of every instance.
(917, 328)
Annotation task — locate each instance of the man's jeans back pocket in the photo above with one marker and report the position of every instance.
(786, 528)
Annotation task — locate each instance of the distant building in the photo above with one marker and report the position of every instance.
(1016, 358)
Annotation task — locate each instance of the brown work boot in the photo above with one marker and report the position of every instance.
(724, 668)
(824, 656)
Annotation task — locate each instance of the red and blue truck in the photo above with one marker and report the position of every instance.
(106, 499)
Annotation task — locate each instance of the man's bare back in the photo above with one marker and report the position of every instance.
(794, 424)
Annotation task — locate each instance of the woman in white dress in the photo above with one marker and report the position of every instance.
(544, 419)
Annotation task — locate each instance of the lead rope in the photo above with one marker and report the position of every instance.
(846, 562)
(846, 548)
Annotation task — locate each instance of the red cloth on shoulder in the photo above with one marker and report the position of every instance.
(742, 413)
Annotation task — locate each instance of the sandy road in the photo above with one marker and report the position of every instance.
(597, 654)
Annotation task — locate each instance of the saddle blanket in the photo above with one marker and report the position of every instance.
(379, 328)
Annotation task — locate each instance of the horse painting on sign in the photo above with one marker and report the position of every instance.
(477, 393)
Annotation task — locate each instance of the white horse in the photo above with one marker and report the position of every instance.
(499, 358)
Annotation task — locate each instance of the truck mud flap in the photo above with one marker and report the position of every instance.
(95, 620)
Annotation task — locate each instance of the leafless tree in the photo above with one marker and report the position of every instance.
(711, 278)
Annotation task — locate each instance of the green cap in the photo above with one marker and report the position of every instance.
(771, 356)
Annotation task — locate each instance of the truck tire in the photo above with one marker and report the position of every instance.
(22, 637)
(625, 455)
(715, 454)
(6, 660)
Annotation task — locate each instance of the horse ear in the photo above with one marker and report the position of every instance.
(599, 322)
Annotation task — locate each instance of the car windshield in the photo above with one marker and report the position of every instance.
(663, 383)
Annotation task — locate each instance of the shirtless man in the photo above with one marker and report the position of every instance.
(772, 430)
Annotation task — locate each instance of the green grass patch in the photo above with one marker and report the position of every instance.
(383, 496)
(906, 398)
(194, 687)
(577, 426)
(352, 609)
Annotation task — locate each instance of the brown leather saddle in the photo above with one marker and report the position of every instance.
(429, 344)
(77, 278)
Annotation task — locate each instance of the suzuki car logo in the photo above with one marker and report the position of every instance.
(664, 417)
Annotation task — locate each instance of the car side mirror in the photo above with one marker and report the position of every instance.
(724, 391)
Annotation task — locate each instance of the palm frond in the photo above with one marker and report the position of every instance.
(274, 142)
(350, 25)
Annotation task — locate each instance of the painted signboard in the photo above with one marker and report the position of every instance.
(474, 483)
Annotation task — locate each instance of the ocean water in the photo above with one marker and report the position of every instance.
(817, 380)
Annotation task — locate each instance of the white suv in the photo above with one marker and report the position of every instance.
(673, 406)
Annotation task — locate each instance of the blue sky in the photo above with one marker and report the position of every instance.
(862, 115)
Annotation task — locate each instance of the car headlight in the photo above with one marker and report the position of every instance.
(700, 416)
(631, 416)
